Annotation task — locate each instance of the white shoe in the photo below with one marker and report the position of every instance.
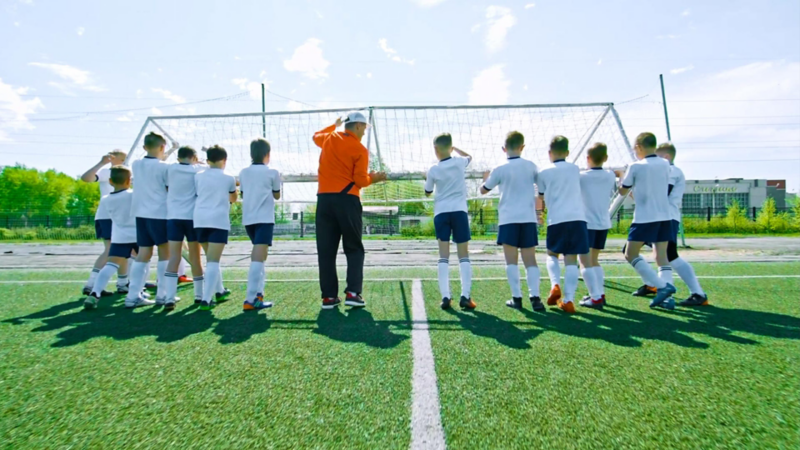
(161, 301)
(138, 302)
(144, 294)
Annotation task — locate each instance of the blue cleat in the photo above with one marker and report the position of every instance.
(662, 295)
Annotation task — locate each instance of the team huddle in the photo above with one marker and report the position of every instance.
(577, 206)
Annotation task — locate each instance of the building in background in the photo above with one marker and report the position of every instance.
(719, 194)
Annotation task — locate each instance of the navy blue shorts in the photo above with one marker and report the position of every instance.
(676, 228)
(178, 229)
(260, 233)
(102, 229)
(123, 250)
(150, 232)
(454, 223)
(568, 238)
(651, 232)
(597, 239)
(211, 235)
(520, 235)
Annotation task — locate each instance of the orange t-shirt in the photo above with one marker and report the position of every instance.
(343, 162)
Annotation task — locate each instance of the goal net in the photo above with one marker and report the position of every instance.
(399, 140)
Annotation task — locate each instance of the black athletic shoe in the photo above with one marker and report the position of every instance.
(695, 300)
(645, 291)
(170, 305)
(106, 294)
(122, 290)
(354, 300)
(330, 302)
(445, 303)
(222, 296)
(536, 304)
(515, 302)
(87, 290)
(198, 301)
(467, 303)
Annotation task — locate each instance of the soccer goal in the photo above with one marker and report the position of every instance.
(399, 140)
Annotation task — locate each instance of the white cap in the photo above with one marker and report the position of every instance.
(355, 116)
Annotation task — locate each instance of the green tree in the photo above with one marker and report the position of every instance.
(736, 216)
(767, 216)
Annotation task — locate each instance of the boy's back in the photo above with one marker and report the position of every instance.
(212, 208)
(447, 176)
(677, 181)
(123, 222)
(150, 196)
(516, 179)
(181, 192)
(597, 187)
(560, 183)
(258, 183)
(649, 178)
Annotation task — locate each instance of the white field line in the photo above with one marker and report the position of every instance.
(309, 280)
(426, 422)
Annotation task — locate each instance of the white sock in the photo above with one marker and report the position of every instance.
(686, 272)
(589, 281)
(465, 268)
(146, 274)
(533, 280)
(103, 277)
(220, 286)
(254, 277)
(444, 277)
(512, 272)
(665, 273)
(161, 268)
(198, 287)
(130, 264)
(92, 276)
(647, 273)
(170, 285)
(122, 280)
(262, 283)
(211, 281)
(182, 267)
(600, 279)
(553, 270)
(571, 275)
(137, 279)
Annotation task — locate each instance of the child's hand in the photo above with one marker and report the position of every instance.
(175, 145)
(619, 173)
(377, 177)
(338, 122)
(486, 175)
(105, 159)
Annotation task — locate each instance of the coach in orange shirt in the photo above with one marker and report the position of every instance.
(343, 172)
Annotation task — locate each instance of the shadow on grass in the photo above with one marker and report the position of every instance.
(487, 325)
(357, 325)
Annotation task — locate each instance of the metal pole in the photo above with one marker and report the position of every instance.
(263, 110)
(591, 134)
(664, 102)
(138, 138)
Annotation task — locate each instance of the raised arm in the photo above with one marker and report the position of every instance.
(175, 146)
(91, 175)
(319, 136)
(462, 153)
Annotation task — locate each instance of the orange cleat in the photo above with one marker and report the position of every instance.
(567, 307)
(184, 279)
(555, 295)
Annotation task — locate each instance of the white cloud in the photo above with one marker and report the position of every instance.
(369, 74)
(75, 78)
(156, 112)
(14, 111)
(600, 61)
(319, 14)
(125, 118)
(668, 36)
(80, 31)
(169, 95)
(139, 93)
(498, 20)
(681, 70)
(26, 2)
(392, 53)
(686, 12)
(525, 88)
(16, 24)
(253, 87)
(490, 87)
(358, 75)
(308, 60)
(530, 5)
(427, 3)
(475, 28)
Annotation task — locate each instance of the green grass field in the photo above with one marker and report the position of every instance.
(723, 376)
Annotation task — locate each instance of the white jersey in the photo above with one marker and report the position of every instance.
(678, 183)
(212, 208)
(560, 183)
(516, 179)
(258, 183)
(447, 178)
(101, 177)
(150, 195)
(181, 192)
(597, 188)
(649, 178)
(123, 222)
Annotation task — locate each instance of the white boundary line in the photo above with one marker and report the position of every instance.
(314, 280)
(426, 421)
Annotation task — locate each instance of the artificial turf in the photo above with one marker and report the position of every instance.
(296, 377)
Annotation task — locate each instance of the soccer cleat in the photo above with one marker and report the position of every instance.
(662, 295)
(140, 301)
(87, 290)
(170, 305)
(184, 279)
(467, 303)
(256, 305)
(446, 303)
(207, 305)
(589, 303)
(515, 302)
(222, 296)
(555, 295)
(695, 300)
(144, 294)
(669, 304)
(604, 300)
(90, 302)
(151, 286)
(644, 291)
(536, 304)
(567, 307)
(330, 302)
(354, 300)
(161, 301)
(122, 289)
(197, 301)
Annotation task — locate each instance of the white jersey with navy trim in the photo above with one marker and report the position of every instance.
(649, 178)
(447, 179)
(101, 177)
(560, 183)
(515, 179)
(212, 208)
(150, 193)
(181, 194)
(677, 181)
(258, 183)
(597, 188)
(123, 222)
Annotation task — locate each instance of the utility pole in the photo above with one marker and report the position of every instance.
(264, 110)
(669, 137)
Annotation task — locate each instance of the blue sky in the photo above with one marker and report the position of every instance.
(731, 68)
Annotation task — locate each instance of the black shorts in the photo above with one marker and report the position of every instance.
(520, 235)
(651, 232)
(568, 238)
(455, 224)
(178, 229)
(151, 232)
(102, 229)
(260, 233)
(211, 235)
(123, 250)
(597, 239)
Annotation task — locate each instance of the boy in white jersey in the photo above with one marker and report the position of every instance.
(123, 232)
(649, 178)
(597, 187)
(450, 216)
(560, 184)
(260, 187)
(216, 190)
(102, 222)
(517, 218)
(180, 212)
